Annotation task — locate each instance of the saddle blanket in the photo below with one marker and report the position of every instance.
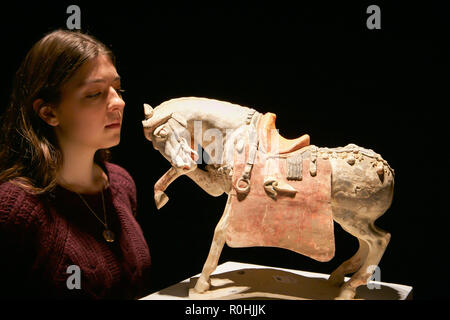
(301, 222)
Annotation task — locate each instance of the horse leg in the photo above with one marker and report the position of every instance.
(351, 265)
(203, 283)
(377, 241)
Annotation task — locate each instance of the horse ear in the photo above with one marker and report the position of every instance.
(148, 111)
(180, 119)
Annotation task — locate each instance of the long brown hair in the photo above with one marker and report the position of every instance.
(29, 152)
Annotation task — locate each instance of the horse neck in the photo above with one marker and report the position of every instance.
(225, 123)
(227, 117)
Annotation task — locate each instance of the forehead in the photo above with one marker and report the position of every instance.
(99, 69)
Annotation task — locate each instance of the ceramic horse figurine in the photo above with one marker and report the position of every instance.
(360, 182)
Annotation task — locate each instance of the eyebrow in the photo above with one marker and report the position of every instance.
(98, 80)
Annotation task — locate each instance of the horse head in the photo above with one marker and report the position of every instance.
(169, 135)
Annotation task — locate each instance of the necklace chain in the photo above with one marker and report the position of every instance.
(108, 235)
(104, 211)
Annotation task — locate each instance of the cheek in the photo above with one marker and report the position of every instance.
(82, 122)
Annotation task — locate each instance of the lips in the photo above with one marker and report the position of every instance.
(113, 125)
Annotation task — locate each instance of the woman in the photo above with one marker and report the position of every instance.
(67, 225)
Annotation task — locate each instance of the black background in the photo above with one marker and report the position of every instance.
(316, 66)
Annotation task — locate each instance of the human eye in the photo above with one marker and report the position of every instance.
(94, 95)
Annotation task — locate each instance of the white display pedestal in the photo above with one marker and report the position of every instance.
(233, 280)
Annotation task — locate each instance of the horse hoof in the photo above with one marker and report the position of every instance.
(202, 285)
(160, 199)
(346, 294)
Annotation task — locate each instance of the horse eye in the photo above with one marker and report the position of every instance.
(162, 133)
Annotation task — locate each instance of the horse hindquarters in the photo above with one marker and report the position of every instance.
(361, 192)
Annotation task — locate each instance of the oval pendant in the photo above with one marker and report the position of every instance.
(108, 235)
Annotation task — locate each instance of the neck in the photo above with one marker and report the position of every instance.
(231, 138)
(79, 173)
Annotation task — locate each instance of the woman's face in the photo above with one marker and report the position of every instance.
(90, 101)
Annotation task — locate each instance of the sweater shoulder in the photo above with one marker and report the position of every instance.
(19, 207)
(119, 175)
(122, 182)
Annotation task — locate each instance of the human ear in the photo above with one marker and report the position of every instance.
(46, 112)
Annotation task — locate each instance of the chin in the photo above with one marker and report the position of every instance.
(110, 144)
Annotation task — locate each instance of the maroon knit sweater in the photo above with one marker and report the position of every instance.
(41, 236)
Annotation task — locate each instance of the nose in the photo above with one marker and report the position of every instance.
(115, 100)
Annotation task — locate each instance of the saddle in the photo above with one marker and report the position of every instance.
(269, 141)
(269, 137)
